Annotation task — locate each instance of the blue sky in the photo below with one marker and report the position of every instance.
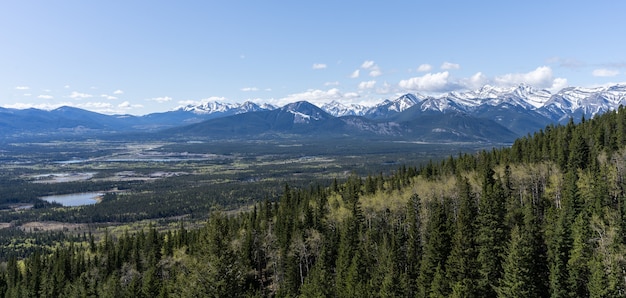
(139, 57)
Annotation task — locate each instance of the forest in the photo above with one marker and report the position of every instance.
(545, 217)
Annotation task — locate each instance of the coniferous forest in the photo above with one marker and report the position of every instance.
(545, 217)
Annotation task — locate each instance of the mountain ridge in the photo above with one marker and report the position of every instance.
(520, 109)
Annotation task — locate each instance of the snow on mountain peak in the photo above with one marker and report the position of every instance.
(532, 96)
(304, 112)
(338, 109)
(565, 102)
(213, 107)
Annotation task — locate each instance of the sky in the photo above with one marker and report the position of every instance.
(139, 57)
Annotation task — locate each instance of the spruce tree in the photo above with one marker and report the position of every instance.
(523, 267)
(578, 270)
(462, 268)
(492, 236)
(516, 280)
(414, 243)
(436, 248)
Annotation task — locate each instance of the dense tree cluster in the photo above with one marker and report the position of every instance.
(543, 218)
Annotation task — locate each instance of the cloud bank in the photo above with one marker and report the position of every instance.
(542, 77)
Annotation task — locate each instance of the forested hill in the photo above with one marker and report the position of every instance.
(545, 217)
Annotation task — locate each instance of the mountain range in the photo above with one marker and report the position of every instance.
(489, 114)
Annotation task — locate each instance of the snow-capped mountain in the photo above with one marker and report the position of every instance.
(338, 109)
(523, 95)
(571, 101)
(305, 112)
(389, 108)
(217, 107)
(519, 110)
(576, 101)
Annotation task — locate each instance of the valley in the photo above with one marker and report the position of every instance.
(165, 180)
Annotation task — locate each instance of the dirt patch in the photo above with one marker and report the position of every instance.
(51, 226)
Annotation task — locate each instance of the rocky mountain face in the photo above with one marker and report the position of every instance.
(557, 107)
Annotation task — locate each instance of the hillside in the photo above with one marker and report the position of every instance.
(545, 217)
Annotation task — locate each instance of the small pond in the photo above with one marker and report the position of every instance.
(77, 199)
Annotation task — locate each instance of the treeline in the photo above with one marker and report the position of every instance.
(187, 195)
(543, 218)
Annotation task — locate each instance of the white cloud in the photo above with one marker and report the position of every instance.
(541, 77)
(127, 106)
(99, 107)
(42, 106)
(335, 83)
(96, 106)
(315, 96)
(123, 105)
(22, 88)
(203, 101)
(371, 66)
(603, 72)
(249, 89)
(160, 99)
(109, 97)
(375, 72)
(368, 64)
(355, 74)
(558, 84)
(385, 89)
(268, 89)
(45, 96)
(448, 66)
(367, 85)
(118, 92)
(351, 95)
(476, 81)
(424, 68)
(66, 86)
(78, 95)
(107, 107)
(431, 82)
(319, 66)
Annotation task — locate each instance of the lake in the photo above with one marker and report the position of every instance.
(77, 199)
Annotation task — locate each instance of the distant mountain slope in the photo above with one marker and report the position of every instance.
(295, 118)
(338, 109)
(303, 119)
(388, 108)
(521, 109)
(72, 120)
